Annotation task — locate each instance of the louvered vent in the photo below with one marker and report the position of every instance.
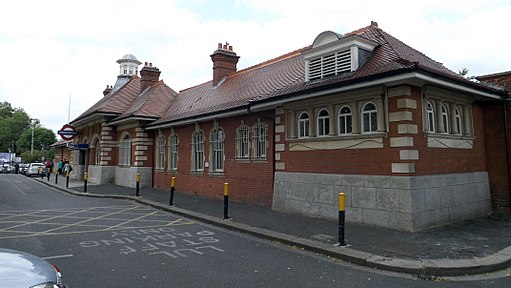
(330, 65)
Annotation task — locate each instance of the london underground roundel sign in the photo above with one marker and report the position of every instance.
(67, 132)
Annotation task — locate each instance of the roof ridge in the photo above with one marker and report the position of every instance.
(257, 66)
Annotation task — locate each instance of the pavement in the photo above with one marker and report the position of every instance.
(472, 247)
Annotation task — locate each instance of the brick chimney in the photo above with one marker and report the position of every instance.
(224, 62)
(107, 90)
(148, 76)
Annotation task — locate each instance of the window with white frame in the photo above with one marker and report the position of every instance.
(303, 125)
(217, 150)
(430, 117)
(260, 140)
(345, 120)
(242, 142)
(173, 142)
(125, 151)
(198, 151)
(97, 152)
(445, 118)
(458, 120)
(323, 123)
(369, 118)
(160, 152)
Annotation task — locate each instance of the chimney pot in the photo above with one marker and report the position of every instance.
(219, 45)
(230, 47)
(225, 47)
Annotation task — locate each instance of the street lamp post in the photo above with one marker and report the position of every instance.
(32, 142)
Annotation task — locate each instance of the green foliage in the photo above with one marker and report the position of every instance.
(41, 136)
(16, 133)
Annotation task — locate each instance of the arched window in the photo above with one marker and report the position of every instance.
(97, 152)
(345, 120)
(323, 123)
(303, 125)
(198, 151)
(458, 118)
(160, 153)
(445, 118)
(125, 151)
(369, 118)
(173, 142)
(260, 140)
(242, 142)
(431, 117)
(217, 150)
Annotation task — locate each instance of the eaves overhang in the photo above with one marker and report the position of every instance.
(131, 119)
(416, 76)
(91, 117)
(199, 118)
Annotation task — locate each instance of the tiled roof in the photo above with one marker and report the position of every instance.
(280, 77)
(115, 102)
(152, 103)
(238, 89)
(285, 75)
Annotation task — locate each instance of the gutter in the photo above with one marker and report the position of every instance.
(129, 119)
(200, 118)
(412, 75)
(91, 117)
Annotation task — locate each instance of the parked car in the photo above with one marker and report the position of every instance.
(7, 169)
(34, 169)
(21, 269)
(23, 168)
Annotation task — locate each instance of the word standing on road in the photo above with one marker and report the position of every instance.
(159, 241)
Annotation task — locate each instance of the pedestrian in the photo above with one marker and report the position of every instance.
(60, 166)
(67, 168)
(48, 167)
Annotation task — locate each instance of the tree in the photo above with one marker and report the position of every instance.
(463, 72)
(12, 123)
(42, 136)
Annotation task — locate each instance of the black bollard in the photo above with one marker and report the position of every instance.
(172, 189)
(137, 191)
(85, 176)
(226, 201)
(56, 176)
(67, 179)
(342, 219)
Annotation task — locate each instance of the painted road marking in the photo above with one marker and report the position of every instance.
(57, 257)
(81, 220)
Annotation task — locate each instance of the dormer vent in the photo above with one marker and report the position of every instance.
(334, 54)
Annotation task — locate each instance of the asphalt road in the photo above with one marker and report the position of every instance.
(116, 243)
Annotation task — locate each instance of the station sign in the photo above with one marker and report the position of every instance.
(67, 132)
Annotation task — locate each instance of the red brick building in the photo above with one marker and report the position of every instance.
(405, 138)
(498, 140)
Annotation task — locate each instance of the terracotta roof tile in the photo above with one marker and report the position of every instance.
(117, 102)
(152, 103)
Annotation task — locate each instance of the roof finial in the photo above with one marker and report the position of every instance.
(374, 24)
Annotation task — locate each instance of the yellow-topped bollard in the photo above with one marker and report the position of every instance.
(342, 219)
(137, 189)
(226, 200)
(172, 189)
(56, 176)
(85, 177)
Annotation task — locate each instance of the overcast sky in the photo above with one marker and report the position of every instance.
(56, 50)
